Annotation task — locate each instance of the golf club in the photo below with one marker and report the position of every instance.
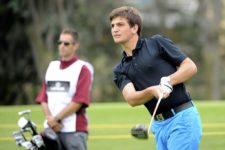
(153, 115)
(26, 125)
(141, 131)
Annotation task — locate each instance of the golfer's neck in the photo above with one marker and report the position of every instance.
(130, 45)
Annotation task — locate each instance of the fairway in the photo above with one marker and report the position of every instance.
(110, 123)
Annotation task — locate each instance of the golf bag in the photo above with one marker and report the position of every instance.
(28, 137)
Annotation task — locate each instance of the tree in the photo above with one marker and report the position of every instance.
(30, 29)
(211, 18)
(34, 31)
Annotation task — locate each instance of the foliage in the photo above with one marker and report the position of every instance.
(30, 28)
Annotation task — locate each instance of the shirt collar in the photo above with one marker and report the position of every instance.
(137, 48)
(64, 64)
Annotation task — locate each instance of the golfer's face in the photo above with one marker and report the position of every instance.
(121, 30)
(67, 46)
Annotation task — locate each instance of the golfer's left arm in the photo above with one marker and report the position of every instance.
(184, 72)
(135, 98)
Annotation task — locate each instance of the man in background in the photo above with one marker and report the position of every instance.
(65, 94)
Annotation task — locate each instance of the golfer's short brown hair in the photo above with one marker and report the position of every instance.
(131, 14)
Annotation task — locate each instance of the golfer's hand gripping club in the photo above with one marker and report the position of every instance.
(166, 85)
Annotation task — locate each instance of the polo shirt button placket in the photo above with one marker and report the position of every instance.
(134, 58)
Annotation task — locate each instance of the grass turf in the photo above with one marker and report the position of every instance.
(110, 123)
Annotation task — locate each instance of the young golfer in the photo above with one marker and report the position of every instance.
(151, 66)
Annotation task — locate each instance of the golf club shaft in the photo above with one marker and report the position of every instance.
(153, 115)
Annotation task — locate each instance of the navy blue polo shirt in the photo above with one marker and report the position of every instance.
(153, 58)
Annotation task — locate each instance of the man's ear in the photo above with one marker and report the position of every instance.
(76, 46)
(135, 29)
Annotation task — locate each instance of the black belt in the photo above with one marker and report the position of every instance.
(165, 115)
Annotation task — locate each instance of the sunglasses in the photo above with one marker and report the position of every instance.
(64, 43)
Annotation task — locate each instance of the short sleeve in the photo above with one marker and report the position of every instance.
(169, 50)
(119, 77)
(82, 94)
(42, 96)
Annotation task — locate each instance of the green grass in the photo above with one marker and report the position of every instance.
(110, 125)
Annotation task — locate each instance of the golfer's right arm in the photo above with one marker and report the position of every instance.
(135, 98)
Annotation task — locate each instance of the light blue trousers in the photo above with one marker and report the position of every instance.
(180, 132)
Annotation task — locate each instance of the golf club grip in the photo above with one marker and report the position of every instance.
(154, 112)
